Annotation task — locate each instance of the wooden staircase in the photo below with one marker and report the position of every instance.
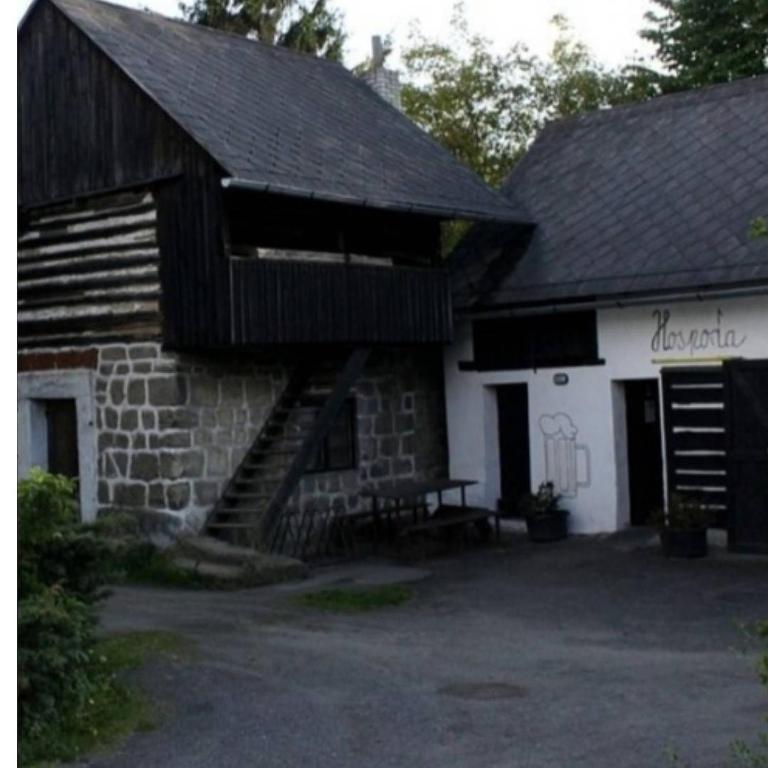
(256, 496)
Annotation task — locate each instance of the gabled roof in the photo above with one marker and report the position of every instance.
(284, 121)
(652, 198)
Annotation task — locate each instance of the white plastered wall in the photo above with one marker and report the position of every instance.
(587, 415)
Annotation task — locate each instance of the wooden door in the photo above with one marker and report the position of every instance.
(695, 435)
(646, 481)
(746, 391)
(61, 418)
(514, 445)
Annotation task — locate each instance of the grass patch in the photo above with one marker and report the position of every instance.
(115, 709)
(356, 600)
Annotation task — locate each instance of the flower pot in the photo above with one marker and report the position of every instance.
(688, 543)
(551, 526)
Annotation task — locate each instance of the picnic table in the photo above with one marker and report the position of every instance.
(390, 501)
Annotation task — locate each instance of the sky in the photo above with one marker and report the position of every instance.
(609, 27)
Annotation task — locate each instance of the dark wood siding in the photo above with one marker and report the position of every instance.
(85, 129)
(285, 302)
(89, 272)
(83, 126)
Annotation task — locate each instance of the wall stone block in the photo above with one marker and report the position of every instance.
(168, 390)
(144, 466)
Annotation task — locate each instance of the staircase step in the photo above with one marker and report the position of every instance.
(215, 551)
(240, 510)
(226, 526)
(245, 495)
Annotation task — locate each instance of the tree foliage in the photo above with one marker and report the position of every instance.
(486, 107)
(310, 27)
(701, 42)
(759, 227)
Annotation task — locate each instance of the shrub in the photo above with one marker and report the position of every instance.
(683, 513)
(54, 639)
(544, 502)
(61, 570)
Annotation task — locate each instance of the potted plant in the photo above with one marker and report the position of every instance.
(543, 517)
(683, 527)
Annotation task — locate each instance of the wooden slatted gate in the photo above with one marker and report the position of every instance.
(695, 437)
(746, 398)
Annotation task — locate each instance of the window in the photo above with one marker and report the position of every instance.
(536, 341)
(339, 448)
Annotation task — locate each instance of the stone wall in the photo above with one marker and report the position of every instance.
(172, 428)
(400, 426)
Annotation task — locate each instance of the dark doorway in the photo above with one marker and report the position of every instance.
(514, 450)
(646, 483)
(61, 420)
(746, 399)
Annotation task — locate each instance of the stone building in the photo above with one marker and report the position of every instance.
(231, 301)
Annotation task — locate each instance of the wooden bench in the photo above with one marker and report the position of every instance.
(454, 517)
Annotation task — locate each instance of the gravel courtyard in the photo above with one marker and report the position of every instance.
(589, 652)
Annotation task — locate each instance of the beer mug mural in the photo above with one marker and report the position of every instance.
(566, 462)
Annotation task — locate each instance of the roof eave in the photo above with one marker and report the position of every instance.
(423, 209)
(618, 300)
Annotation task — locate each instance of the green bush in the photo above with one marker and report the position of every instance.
(53, 547)
(61, 571)
(54, 640)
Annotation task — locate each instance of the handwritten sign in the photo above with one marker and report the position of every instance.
(715, 337)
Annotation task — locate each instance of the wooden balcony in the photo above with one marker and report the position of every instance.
(295, 302)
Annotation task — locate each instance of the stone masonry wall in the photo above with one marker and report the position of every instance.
(173, 428)
(400, 427)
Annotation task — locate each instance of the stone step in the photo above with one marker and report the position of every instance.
(262, 569)
(215, 551)
(216, 571)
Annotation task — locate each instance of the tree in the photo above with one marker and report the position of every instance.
(310, 27)
(759, 227)
(486, 107)
(701, 42)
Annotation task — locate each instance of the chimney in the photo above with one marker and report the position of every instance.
(386, 82)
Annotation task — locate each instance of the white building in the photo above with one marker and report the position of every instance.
(618, 347)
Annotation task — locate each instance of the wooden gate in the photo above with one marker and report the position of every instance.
(695, 436)
(746, 397)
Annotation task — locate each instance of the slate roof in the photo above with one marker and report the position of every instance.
(651, 198)
(285, 121)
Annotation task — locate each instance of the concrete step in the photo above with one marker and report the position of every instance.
(226, 574)
(240, 566)
(215, 551)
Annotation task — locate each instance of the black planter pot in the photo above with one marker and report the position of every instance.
(686, 544)
(550, 527)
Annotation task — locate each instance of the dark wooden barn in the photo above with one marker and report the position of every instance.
(218, 237)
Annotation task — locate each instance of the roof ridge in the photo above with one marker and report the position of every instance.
(675, 100)
(147, 12)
